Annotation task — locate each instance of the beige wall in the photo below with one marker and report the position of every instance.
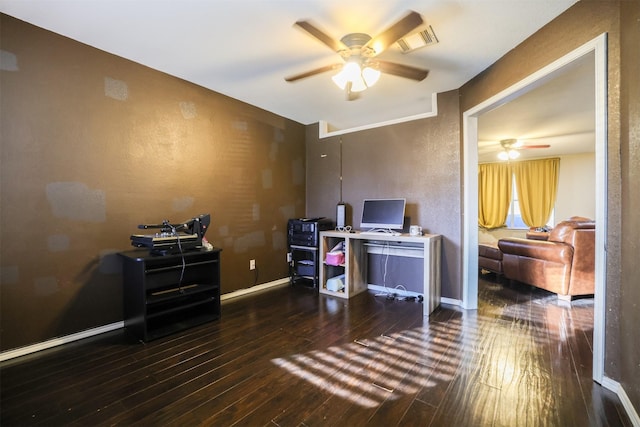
(93, 145)
(576, 195)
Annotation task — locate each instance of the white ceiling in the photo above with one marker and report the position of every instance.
(245, 48)
(559, 112)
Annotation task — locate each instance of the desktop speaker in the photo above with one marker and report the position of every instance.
(340, 215)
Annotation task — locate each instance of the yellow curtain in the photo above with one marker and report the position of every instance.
(494, 194)
(536, 182)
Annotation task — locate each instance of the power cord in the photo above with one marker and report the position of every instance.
(383, 265)
(174, 233)
(388, 294)
(255, 278)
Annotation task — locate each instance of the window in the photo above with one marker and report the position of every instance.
(514, 219)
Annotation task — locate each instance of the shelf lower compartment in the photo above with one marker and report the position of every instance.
(175, 293)
(158, 310)
(340, 294)
(160, 326)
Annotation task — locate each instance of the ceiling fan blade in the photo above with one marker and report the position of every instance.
(392, 34)
(313, 72)
(333, 44)
(401, 70)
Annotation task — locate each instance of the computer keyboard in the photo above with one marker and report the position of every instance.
(380, 233)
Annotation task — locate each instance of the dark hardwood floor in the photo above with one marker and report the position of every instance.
(289, 357)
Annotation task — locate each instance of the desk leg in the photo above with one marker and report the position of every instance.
(432, 277)
(357, 266)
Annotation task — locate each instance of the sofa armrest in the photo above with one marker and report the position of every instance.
(540, 249)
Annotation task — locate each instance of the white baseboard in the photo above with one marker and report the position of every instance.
(23, 351)
(451, 301)
(402, 293)
(615, 387)
(397, 291)
(256, 288)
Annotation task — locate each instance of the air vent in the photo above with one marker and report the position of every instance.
(417, 40)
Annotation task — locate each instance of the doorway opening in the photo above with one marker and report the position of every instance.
(598, 47)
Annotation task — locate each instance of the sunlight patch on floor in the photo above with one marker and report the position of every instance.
(371, 371)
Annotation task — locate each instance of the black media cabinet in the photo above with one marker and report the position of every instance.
(303, 237)
(169, 293)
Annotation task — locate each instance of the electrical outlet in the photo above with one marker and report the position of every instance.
(252, 264)
(289, 257)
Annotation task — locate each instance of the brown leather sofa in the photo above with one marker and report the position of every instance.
(490, 258)
(563, 264)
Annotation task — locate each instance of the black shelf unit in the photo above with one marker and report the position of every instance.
(304, 264)
(303, 237)
(166, 294)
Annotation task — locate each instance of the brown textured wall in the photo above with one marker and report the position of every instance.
(630, 203)
(417, 160)
(93, 145)
(581, 23)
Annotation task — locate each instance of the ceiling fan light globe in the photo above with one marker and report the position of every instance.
(340, 80)
(370, 76)
(503, 155)
(350, 73)
(358, 85)
(513, 154)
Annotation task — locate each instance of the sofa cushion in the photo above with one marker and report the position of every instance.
(563, 231)
(489, 251)
(490, 257)
(539, 249)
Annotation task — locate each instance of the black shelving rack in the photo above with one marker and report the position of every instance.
(303, 238)
(169, 293)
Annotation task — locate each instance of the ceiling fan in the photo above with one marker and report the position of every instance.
(511, 146)
(361, 68)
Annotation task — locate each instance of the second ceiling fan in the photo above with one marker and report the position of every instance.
(510, 147)
(360, 67)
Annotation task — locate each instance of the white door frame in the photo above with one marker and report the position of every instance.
(470, 164)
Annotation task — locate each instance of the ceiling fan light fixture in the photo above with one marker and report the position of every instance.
(360, 78)
(357, 49)
(508, 154)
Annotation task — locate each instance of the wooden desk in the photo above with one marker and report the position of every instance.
(357, 246)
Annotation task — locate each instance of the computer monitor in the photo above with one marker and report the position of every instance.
(383, 213)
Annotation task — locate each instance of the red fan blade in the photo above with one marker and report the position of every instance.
(533, 146)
